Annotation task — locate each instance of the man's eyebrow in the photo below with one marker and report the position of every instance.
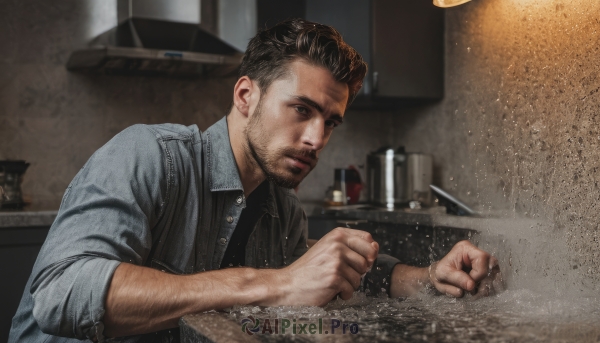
(309, 102)
(318, 107)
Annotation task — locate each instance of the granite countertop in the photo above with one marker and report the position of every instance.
(434, 216)
(27, 218)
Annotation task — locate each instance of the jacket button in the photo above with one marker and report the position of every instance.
(239, 200)
(229, 219)
(223, 241)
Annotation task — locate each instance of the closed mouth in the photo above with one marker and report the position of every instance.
(306, 160)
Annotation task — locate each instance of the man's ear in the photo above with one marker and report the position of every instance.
(245, 95)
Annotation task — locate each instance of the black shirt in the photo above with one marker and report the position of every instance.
(235, 255)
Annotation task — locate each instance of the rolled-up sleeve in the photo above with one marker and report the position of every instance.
(105, 218)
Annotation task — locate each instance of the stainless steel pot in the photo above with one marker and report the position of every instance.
(386, 177)
(395, 178)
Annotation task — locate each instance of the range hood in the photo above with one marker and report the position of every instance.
(157, 37)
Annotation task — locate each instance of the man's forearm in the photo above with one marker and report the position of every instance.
(142, 300)
(407, 280)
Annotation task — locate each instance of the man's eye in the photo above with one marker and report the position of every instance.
(302, 110)
(332, 124)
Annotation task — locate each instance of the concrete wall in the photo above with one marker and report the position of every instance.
(518, 128)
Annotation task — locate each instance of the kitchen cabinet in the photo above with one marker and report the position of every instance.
(21, 237)
(271, 12)
(402, 41)
(19, 247)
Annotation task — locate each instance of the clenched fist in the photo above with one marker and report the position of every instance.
(334, 265)
(466, 268)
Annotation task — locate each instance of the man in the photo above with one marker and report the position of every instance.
(148, 228)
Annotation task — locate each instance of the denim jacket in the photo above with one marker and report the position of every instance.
(163, 196)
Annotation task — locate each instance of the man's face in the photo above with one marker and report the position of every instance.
(293, 122)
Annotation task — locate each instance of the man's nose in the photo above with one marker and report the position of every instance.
(314, 135)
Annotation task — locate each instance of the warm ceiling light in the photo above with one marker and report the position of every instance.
(449, 3)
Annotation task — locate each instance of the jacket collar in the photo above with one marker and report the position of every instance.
(222, 169)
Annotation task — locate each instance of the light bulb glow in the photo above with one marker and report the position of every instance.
(449, 3)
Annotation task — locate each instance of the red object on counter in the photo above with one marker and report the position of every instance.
(353, 185)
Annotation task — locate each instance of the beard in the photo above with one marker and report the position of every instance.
(256, 147)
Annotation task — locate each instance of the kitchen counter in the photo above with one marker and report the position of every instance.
(431, 217)
(512, 316)
(15, 219)
(435, 216)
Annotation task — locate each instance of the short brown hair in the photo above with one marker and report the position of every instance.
(271, 50)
